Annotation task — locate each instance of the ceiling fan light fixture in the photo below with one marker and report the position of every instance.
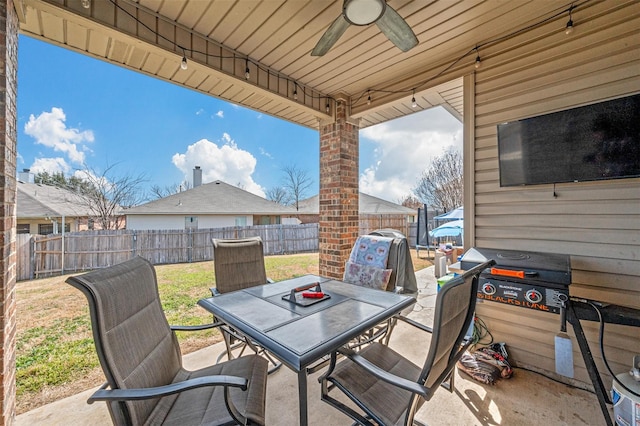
(363, 12)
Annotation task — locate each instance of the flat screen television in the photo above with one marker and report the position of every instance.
(593, 142)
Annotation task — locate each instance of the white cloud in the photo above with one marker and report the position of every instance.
(225, 162)
(220, 114)
(403, 148)
(49, 129)
(200, 111)
(50, 165)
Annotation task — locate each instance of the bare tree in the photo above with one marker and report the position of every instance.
(105, 194)
(296, 182)
(410, 201)
(160, 192)
(279, 195)
(441, 185)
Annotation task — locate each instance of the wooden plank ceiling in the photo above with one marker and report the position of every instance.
(274, 38)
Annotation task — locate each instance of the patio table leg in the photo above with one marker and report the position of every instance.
(302, 396)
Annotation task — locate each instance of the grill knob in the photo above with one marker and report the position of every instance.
(488, 288)
(533, 296)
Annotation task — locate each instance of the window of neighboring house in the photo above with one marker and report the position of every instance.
(91, 224)
(265, 220)
(23, 228)
(47, 228)
(241, 221)
(191, 222)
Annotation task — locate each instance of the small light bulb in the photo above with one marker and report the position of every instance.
(247, 74)
(478, 63)
(369, 100)
(569, 28)
(295, 94)
(86, 4)
(183, 64)
(328, 108)
(414, 104)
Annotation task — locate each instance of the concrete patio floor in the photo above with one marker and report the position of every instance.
(525, 399)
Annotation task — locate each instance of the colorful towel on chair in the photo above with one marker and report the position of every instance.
(371, 250)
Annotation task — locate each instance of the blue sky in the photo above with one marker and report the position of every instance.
(74, 110)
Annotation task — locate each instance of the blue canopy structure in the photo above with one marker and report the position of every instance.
(453, 214)
(449, 229)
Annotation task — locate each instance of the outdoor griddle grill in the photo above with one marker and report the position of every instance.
(541, 281)
(526, 279)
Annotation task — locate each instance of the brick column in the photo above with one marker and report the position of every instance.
(8, 137)
(338, 192)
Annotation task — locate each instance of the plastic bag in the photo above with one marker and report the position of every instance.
(486, 364)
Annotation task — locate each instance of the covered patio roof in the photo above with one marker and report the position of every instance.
(273, 39)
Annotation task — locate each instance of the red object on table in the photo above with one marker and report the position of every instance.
(313, 294)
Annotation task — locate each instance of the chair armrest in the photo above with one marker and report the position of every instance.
(104, 394)
(414, 323)
(381, 374)
(196, 327)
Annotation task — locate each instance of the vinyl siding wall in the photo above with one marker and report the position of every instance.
(596, 223)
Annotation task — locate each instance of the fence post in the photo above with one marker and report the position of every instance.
(190, 247)
(32, 257)
(134, 244)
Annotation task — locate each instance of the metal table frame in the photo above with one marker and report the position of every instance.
(301, 335)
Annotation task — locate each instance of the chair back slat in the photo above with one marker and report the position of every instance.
(238, 264)
(135, 344)
(455, 307)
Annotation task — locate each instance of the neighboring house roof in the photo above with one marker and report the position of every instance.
(368, 204)
(212, 198)
(35, 201)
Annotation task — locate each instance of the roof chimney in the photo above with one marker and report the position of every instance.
(26, 176)
(197, 177)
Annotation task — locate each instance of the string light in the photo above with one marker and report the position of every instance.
(309, 94)
(569, 29)
(316, 95)
(478, 62)
(86, 4)
(414, 104)
(295, 91)
(183, 63)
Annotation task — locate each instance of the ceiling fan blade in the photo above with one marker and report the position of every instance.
(330, 36)
(397, 30)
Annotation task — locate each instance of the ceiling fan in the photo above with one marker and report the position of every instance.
(366, 12)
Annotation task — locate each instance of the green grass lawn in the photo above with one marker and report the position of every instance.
(55, 352)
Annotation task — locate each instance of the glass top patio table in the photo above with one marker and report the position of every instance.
(301, 335)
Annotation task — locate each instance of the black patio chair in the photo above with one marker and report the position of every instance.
(141, 359)
(388, 388)
(239, 264)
